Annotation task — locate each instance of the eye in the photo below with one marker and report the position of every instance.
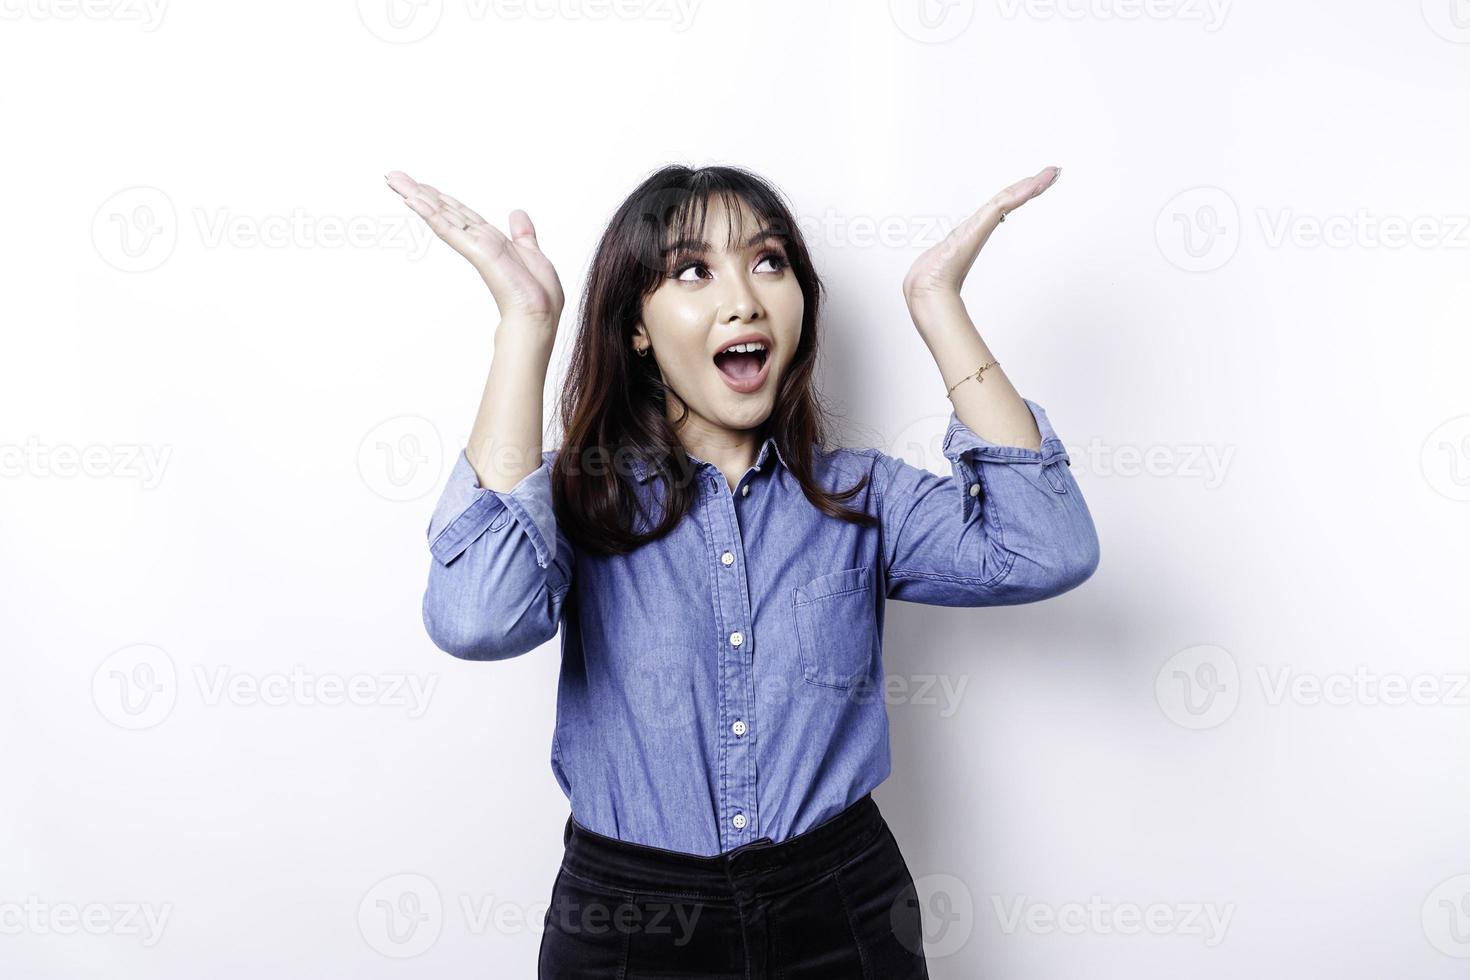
(773, 256)
(777, 258)
(679, 272)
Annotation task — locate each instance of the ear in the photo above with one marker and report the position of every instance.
(640, 332)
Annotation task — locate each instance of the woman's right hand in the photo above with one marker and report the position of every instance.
(520, 277)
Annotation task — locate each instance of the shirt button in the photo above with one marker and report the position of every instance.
(736, 639)
(974, 489)
(738, 728)
(745, 490)
(739, 821)
(727, 559)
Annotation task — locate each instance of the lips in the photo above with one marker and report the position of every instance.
(743, 372)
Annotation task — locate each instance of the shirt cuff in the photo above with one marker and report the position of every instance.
(466, 509)
(965, 451)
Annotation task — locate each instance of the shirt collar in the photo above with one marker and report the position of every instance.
(642, 471)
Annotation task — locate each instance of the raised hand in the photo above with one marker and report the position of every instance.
(940, 271)
(520, 277)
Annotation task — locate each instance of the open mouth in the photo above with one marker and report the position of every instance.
(743, 363)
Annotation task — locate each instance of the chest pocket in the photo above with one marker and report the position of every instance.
(836, 630)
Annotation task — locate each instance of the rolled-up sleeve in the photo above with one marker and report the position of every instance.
(1008, 526)
(500, 567)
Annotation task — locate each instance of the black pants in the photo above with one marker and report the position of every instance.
(834, 903)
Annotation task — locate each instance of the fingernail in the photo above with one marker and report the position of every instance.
(1055, 176)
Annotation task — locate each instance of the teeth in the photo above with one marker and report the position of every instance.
(744, 348)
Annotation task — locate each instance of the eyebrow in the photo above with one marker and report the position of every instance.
(697, 245)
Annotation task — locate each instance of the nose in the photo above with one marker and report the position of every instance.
(741, 302)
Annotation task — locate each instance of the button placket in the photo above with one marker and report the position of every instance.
(735, 670)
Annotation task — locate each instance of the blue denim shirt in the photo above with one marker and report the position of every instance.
(725, 682)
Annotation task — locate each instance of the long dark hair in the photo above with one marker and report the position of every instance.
(613, 405)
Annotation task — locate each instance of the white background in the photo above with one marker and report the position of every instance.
(1243, 305)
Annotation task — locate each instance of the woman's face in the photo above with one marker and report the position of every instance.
(712, 299)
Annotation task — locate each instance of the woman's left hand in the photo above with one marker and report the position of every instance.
(940, 271)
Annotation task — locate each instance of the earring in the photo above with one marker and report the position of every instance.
(643, 351)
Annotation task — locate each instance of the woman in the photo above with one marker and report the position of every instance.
(719, 574)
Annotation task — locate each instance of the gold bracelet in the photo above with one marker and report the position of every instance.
(976, 376)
